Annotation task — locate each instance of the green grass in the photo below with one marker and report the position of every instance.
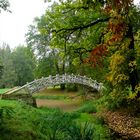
(19, 122)
(84, 117)
(87, 107)
(4, 90)
(50, 97)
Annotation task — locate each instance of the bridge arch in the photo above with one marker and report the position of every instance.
(44, 82)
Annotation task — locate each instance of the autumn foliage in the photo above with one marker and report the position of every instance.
(96, 55)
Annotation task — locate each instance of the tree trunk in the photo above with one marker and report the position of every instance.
(133, 75)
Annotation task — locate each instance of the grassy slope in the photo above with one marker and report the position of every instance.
(18, 122)
(22, 122)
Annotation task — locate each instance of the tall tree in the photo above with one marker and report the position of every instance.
(4, 5)
(24, 65)
(8, 77)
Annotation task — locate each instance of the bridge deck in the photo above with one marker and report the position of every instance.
(44, 82)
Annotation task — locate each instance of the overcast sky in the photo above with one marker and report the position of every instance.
(13, 26)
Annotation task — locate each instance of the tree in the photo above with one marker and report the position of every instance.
(1, 67)
(72, 46)
(45, 67)
(8, 77)
(39, 40)
(4, 5)
(24, 65)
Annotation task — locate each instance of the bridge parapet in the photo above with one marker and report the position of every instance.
(44, 82)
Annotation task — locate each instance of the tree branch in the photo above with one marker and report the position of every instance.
(84, 26)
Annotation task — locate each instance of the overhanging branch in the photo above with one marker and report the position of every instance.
(84, 26)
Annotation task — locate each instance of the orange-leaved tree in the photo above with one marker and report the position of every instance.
(119, 42)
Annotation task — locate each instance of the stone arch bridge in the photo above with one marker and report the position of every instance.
(37, 85)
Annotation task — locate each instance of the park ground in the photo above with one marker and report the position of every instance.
(61, 109)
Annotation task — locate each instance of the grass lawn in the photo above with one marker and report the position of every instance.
(4, 90)
(54, 115)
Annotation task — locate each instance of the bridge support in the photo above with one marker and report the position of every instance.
(26, 98)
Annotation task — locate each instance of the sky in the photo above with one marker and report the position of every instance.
(14, 26)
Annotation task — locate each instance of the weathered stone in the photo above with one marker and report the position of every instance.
(28, 99)
(39, 84)
(25, 92)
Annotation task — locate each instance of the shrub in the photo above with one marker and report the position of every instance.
(71, 87)
(87, 108)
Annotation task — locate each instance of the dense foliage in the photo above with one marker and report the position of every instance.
(92, 35)
(15, 65)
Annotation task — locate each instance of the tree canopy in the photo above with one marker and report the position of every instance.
(99, 34)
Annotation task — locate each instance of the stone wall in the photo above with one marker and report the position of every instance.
(28, 99)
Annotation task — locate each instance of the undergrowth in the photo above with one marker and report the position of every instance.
(87, 107)
(19, 122)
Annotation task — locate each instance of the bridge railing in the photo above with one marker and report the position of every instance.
(39, 84)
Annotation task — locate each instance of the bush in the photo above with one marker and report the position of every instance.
(87, 108)
(100, 120)
(71, 87)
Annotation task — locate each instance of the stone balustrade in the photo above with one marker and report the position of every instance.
(44, 82)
